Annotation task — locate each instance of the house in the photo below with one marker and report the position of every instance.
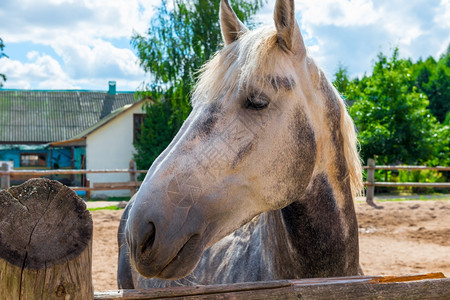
(75, 129)
(109, 145)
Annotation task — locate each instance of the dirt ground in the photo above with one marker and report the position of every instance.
(406, 237)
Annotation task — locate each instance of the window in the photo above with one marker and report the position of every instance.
(33, 160)
(138, 120)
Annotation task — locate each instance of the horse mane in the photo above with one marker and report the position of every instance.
(236, 65)
(256, 52)
(351, 146)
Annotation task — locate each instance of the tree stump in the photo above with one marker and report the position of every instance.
(45, 243)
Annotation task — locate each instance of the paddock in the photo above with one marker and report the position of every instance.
(406, 237)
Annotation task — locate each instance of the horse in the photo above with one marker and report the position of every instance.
(259, 182)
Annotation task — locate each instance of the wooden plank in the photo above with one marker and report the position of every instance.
(112, 185)
(415, 184)
(428, 286)
(81, 188)
(65, 172)
(410, 168)
(191, 291)
(422, 289)
(386, 279)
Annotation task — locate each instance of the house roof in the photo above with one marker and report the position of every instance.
(79, 139)
(28, 116)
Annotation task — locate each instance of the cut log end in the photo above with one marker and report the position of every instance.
(43, 223)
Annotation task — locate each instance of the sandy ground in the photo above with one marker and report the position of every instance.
(407, 237)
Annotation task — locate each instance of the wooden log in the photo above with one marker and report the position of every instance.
(428, 286)
(45, 243)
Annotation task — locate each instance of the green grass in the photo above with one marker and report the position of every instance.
(111, 199)
(112, 207)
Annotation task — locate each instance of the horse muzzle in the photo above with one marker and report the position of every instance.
(157, 250)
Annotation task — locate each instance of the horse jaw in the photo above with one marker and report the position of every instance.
(173, 221)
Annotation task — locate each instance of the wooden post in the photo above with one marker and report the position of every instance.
(5, 182)
(45, 242)
(133, 177)
(88, 192)
(370, 190)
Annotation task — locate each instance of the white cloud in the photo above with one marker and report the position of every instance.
(48, 21)
(442, 17)
(352, 32)
(87, 36)
(41, 71)
(338, 12)
(98, 59)
(82, 34)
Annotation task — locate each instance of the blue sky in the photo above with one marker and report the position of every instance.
(82, 44)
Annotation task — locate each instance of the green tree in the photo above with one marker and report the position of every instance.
(155, 132)
(392, 117)
(178, 42)
(433, 79)
(2, 54)
(341, 79)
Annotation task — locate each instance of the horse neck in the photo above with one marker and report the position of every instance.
(312, 237)
(317, 234)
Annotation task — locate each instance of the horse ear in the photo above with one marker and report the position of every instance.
(288, 33)
(230, 25)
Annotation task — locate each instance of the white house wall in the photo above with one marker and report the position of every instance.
(111, 147)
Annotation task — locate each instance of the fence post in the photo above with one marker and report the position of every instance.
(88, 192)
(370, 190)
(133, 177)
(5, 182)
(50, 257)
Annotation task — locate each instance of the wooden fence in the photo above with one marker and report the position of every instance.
(423, 286)
(371, 183)
(44, 260)
(133, 184)
(6, 173)
(50, 257)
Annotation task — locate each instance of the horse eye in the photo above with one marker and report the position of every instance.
(256, 102)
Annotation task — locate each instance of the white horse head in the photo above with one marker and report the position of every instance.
(265, 125)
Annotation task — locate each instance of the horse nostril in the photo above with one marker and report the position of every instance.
(149, 238)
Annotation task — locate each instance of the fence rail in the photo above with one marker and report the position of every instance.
(133, 184)
(63, 269)
(410, 168)
(371, 183)
(6, 173)
(66, 172)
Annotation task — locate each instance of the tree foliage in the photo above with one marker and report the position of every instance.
(392, 112)
(341, 79)
(156, 131)
(2, 54)
(433, 79)
(178, 42)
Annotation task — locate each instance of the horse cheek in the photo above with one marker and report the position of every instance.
(303, 155)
